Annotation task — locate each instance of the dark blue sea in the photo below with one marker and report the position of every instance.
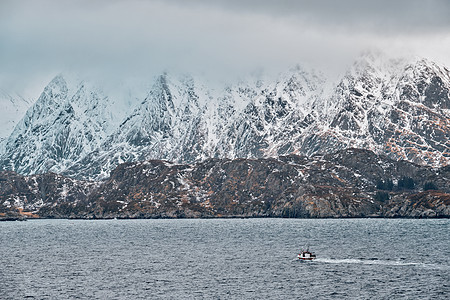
(225, 259)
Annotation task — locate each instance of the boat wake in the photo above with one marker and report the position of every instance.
(375, 261)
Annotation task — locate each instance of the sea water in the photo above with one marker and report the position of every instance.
(225, 259)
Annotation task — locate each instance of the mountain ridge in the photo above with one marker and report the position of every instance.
(398, 108)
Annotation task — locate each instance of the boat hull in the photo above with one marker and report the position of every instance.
(306, 258)
(306, 255)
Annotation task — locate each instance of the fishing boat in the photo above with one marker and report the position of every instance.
(306, 255)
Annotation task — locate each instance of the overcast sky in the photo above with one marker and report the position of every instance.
(115, 38)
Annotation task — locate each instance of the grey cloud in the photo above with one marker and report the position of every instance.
(395, 16)
(136, 38)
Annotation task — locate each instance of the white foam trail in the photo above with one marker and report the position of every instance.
(379, 262)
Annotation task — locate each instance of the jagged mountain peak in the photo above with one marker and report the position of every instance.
(423, 68)
(67, 122)
(57, 87)
(425, 82)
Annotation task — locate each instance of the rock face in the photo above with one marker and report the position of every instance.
(48, 195)
(399, 109)
(348, 183)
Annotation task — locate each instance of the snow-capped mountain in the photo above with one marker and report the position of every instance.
(398, 108)
(182, 120)
(67, 122)
(402, 112)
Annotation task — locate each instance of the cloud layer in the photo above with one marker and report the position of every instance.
(142, 38)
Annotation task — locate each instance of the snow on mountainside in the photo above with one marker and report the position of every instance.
(12, 109)
(398, 108)
(414, 123)
(67, 122)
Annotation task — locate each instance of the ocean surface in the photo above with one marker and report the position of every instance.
(225, 259)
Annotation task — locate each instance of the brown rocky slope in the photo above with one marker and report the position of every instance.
(348, 183)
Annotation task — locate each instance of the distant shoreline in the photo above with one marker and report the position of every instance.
(12, 219)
